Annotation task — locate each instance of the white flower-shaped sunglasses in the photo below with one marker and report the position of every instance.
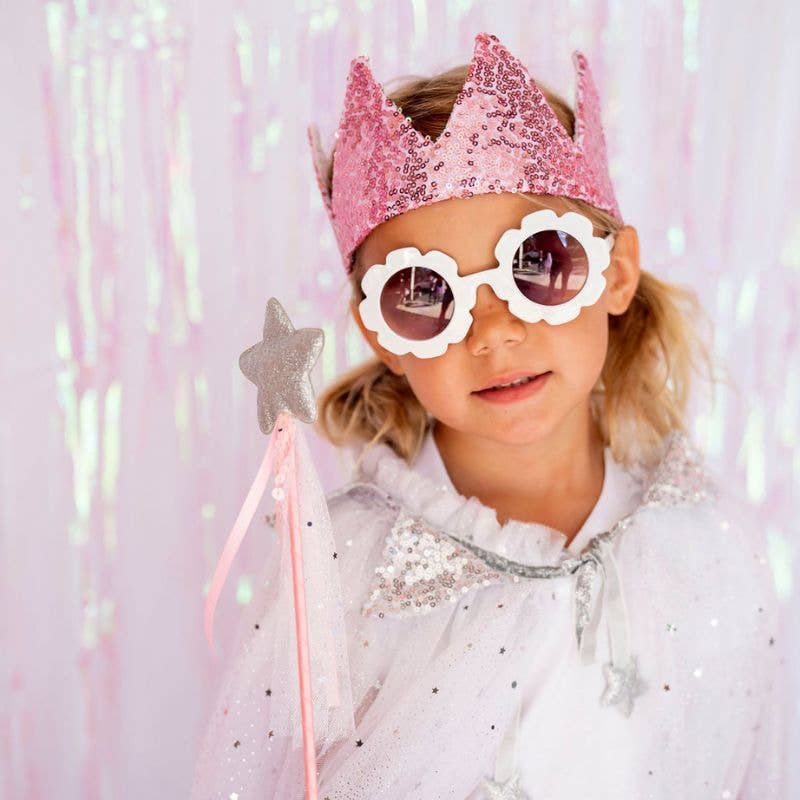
(418, 303)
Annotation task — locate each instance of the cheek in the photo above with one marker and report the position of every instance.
(441, 384)
(581, 347)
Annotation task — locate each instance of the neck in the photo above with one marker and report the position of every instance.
(554, 481)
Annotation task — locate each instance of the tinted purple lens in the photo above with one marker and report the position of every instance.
(550, 267)
(417, 303)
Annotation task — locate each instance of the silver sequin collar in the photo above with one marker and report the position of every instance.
(424, 567)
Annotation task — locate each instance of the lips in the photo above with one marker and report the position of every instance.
(508, 377)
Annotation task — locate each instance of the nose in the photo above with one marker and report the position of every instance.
(493, 325)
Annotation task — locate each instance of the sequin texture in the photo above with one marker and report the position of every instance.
(422, 569)
(681, 477)
(502, 136)
(454, 564)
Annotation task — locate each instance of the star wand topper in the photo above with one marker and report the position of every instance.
(279, 366)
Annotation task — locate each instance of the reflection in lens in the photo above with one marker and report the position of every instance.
(417, 303)
(550, 267)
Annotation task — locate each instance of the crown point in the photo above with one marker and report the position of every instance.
(481, 41)
(360, 64)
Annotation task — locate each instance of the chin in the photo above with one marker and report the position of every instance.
(514, 432)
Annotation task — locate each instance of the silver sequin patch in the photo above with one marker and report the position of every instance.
(681, 478)
(423, 566)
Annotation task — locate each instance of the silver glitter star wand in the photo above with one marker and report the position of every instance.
(279, 366)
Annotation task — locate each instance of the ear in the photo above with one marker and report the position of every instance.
(622, 275)
(390, 359)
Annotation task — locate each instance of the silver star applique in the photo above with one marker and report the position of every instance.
(279, 366)
(507, 790)
(622, 685)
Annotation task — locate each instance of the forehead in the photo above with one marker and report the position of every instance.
(466, 228)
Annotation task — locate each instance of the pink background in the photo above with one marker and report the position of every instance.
(157, 189)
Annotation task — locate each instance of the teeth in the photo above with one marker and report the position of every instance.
(515, 383)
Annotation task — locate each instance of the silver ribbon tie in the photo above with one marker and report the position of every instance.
(598, 567)
(424, 568)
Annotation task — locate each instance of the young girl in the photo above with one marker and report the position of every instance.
(548, 595)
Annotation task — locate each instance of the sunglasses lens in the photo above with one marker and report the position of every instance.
(550, 267)
(417, 303)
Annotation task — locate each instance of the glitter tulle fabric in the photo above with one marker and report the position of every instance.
(436, 692)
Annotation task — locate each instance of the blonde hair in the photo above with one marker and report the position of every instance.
(645, 384)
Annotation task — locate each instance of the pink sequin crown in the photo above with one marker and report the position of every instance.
(502, 136)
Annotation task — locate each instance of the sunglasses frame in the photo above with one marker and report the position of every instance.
(500, 278)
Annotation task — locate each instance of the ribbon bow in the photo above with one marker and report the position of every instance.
(424, 568)
(598, 572)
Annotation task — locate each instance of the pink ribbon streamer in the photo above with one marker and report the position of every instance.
(235, 538)
(286, 463)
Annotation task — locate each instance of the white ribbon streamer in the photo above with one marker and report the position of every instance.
(602, 566)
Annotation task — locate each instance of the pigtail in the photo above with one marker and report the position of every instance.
(372, 404)
(646, 382)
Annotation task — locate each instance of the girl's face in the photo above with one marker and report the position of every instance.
(498, 342)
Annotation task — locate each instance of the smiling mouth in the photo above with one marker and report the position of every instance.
(521, 389)
(520, 381)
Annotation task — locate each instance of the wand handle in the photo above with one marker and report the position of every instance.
(301, 623)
